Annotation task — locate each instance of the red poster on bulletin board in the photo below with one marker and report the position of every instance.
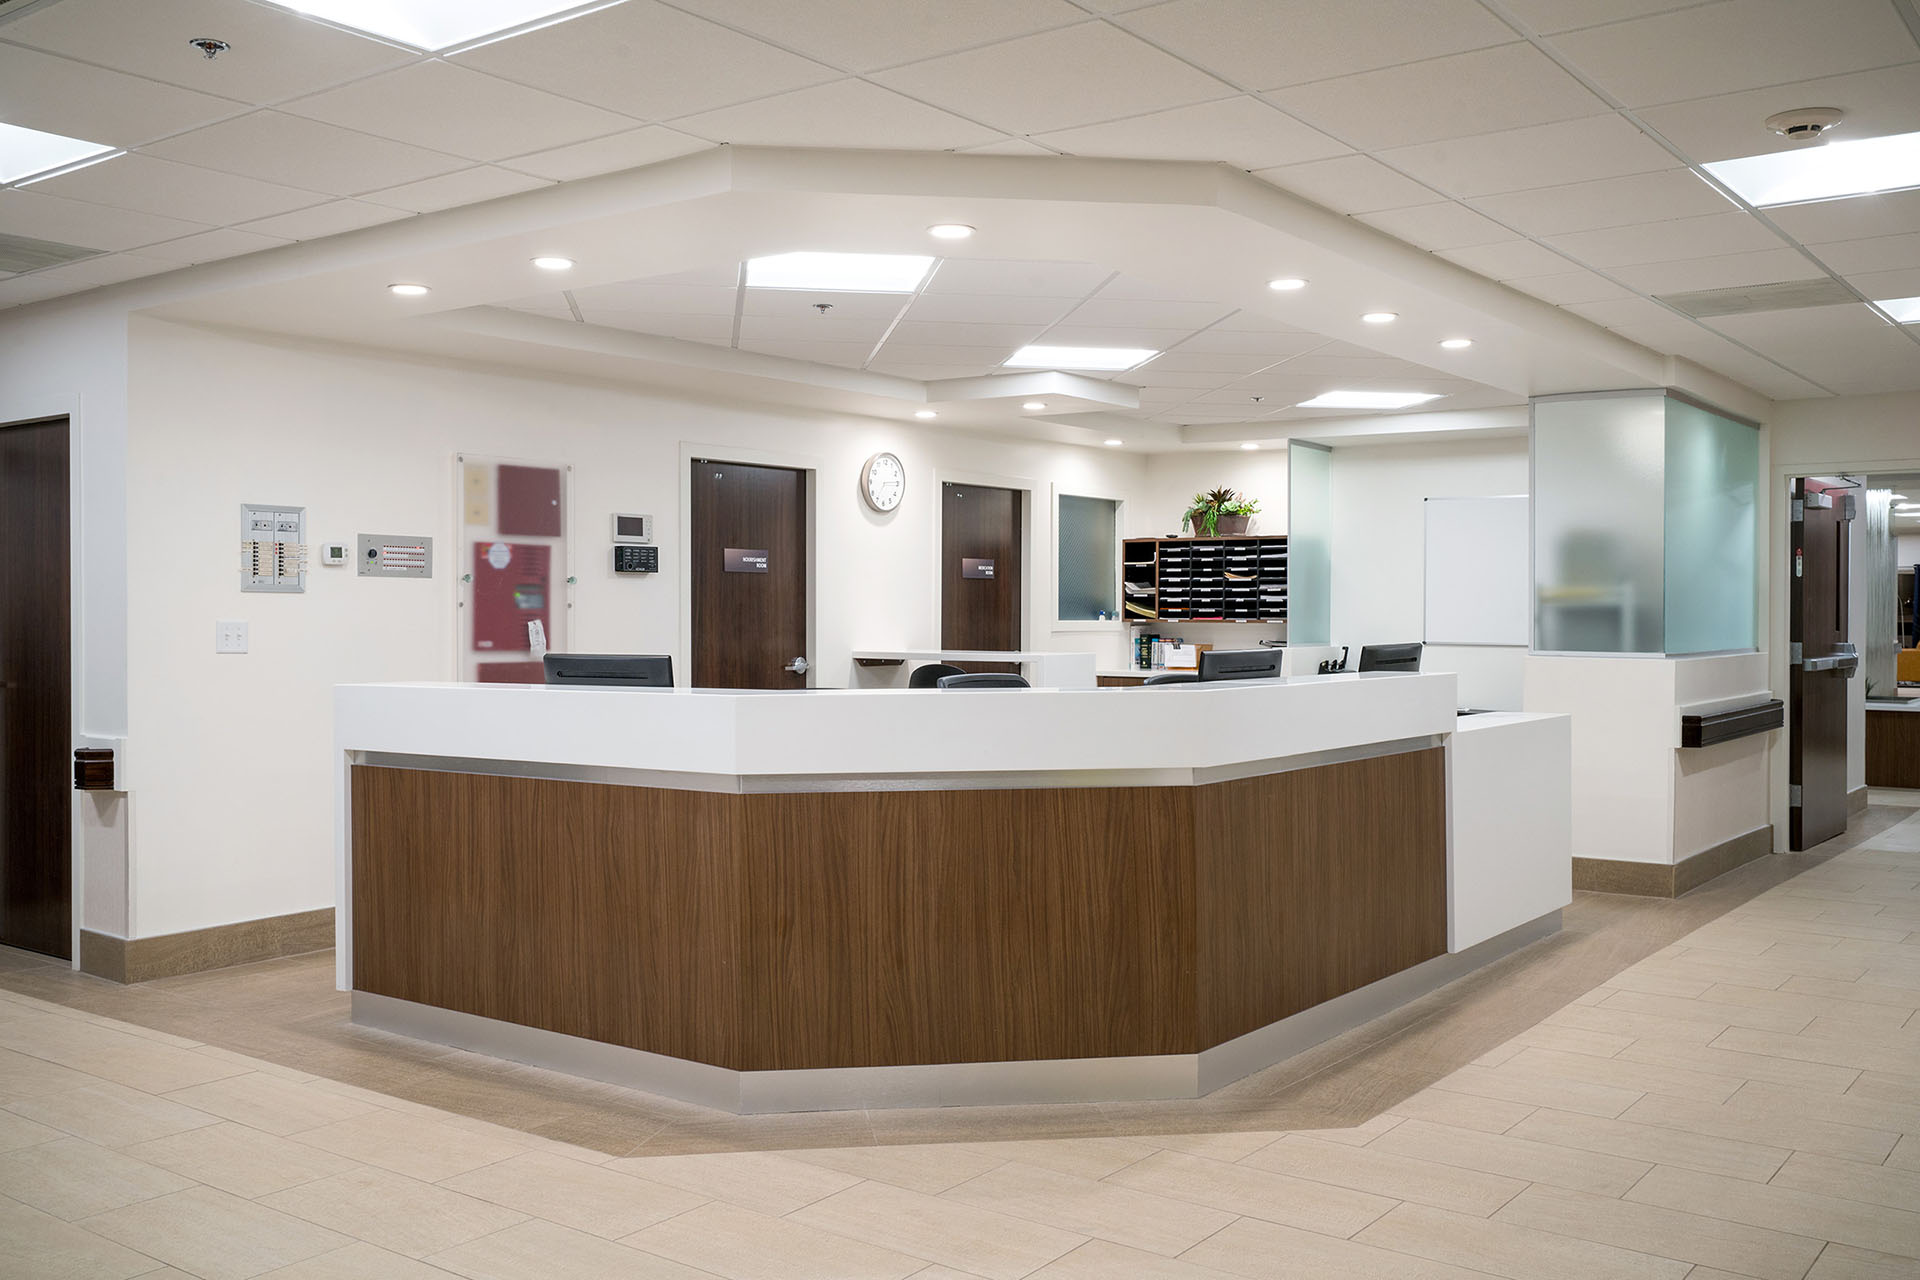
(512, 583)
(529, 504)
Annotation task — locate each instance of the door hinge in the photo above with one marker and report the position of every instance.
(1793, 795)
(1799, 511)
(1793, 654)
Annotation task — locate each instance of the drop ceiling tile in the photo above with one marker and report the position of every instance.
(761, 331)
(462, 112)
(329, 219)
(274, 147)
(276, 54)
(551, 305)
(1056, 80)
(1265, 44)
(1031, 279)
(644, 296)
(17, 291)
(466, 186)
(1445, 225)
(862, 35)
(610, 154)
(1138, 288)
(108, 268)
(1609, 202)
(1259, 322)
(173, 190)
(800, 303)
(646, 60)
(1729, 125)
(1846, 349)
(1509, 260)
(1349, 184)
(1882, 253)
(1243, 132)
(1722, 355)
(1712, 235)
(59, 95)
(1564, 287)
(1548, 155)
(1132, 313)
(712, 330)
(1188, 381)
(1548, 16)
(1862, 217)
(725, 274)
(25, 212)
(1011, 147)
(1640, 319)
(905, 353)
(846, 355)
(1736, 44)
(927, 372)
(843, 113)
(1901, 283)
(1096, 335)
(954, 334)
(1241, 342)
(1717, 271)
(1210, 362)
(971, 308)
(211, 246)
(1506, 87)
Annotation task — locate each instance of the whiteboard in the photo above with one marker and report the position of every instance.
(1479, 579)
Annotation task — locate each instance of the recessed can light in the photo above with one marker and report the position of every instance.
(950, 231)
(408, 290)
(1034, 406)
(547, 263)
(1249, 445)
(1286, 284)
(1456, 344)
(1381, 317)
(1115, 444)
(925, 413)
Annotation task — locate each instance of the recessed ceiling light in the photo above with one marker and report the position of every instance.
(1115, 444)
(925, 413)
(1286, 284)
(1456, 344)
(1830, 171)
(949, 231)
(432, 24)
(26, 152)
(1034, 406)
(1249, 445)
(839, 272)
(1367, 400)
(1381, 317)
(408, 290)
(553, 264)
(1903, 310)
(1104, 359)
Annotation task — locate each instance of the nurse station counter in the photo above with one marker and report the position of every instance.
(885, 897)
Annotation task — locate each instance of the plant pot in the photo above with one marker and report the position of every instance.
(1231, 526)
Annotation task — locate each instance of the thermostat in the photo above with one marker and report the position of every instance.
(632, 529)
(636, 559)
(333, 553)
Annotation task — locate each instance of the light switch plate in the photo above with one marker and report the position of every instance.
(229, 636)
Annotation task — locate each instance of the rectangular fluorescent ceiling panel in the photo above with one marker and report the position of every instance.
(1366, 400)
(26, 152)
(1098, 359)
(839, 272)
(1903, 310)
(1830, 171)
(434, 24)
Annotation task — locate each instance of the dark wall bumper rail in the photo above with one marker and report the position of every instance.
(1738, 722)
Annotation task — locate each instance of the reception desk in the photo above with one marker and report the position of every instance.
(854, 898)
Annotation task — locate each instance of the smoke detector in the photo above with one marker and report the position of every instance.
(1804, 125)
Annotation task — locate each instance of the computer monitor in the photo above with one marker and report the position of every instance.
(626, 670)
(1390, 657)
(1239, 664)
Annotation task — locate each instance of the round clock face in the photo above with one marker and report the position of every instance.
(884, 482)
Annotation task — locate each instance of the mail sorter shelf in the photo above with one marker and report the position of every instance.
(1238, 579)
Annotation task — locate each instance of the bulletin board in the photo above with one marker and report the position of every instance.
(1479, 576)
(514, 567)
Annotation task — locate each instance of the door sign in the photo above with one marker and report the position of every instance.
(745, 560)
(976, 568)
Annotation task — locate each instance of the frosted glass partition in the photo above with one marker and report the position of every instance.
(1712, 491)
(1309, 543)
(1598, 504)
(1089, 553)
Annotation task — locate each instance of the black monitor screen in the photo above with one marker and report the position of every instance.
(628, 670)
(1390, 657)
(1239, 664)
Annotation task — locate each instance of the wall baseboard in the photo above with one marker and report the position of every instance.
(131, 960)
(1670, 880)
(1856, 802)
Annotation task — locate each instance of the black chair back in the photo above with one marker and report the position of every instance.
(1170, 677)
(984, 680)
(929, 674)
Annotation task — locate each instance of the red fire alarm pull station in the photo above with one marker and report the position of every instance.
(511, 585)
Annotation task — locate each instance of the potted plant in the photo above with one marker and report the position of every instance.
(1218, 513)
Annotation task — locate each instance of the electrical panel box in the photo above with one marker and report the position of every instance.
(273, 548)
(627, 559)
(512, 582)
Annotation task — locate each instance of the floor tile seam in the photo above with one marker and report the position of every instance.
(1526, 1227)
(1666, 1209)
(1082, 1237)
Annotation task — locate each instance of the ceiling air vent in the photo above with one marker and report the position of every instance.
(18, 253)
(1791, 295)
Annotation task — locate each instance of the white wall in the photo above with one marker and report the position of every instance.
(234, 809)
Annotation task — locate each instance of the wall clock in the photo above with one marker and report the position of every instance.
(883, 482)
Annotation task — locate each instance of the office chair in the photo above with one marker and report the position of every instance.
(984, 680)
(929, 674)
(1170, 677)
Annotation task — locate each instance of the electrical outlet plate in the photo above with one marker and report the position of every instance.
(230, 636)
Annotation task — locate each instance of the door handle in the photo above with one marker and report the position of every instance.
(798, 666)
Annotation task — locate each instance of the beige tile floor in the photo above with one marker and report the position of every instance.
(1740, 1100)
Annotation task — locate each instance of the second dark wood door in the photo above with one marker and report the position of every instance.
(980, 548)
(1817, 620)
(749, 576)
(36, 742)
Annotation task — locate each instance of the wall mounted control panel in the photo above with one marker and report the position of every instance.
(628, 529)
(273, 548)
(636, 559)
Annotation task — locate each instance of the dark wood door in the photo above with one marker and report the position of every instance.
(1817, 613)
(36, 741)
(749, 576)
(980, 547)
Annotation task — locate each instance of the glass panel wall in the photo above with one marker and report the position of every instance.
(1712, 485)
(1309, 543)
(1089, 550)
